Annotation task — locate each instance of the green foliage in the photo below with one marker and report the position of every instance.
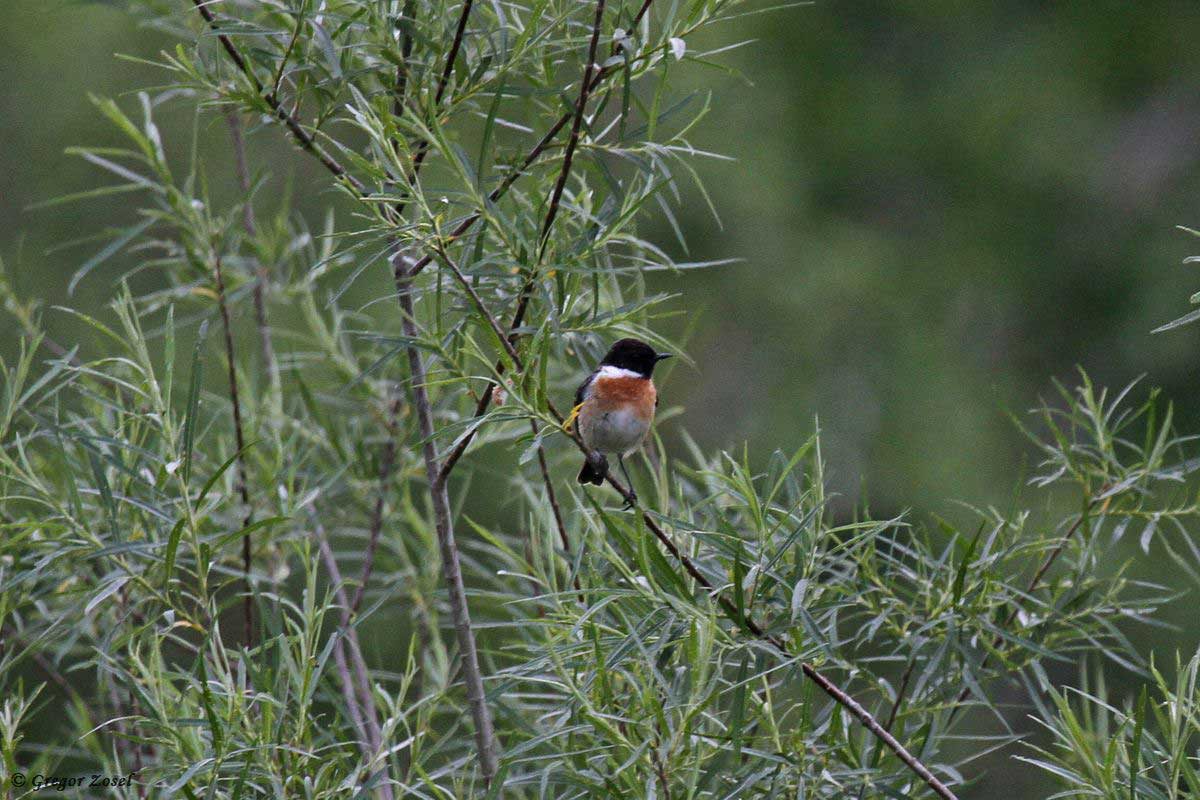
(664, 654)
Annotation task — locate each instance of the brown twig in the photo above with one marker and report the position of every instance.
(900, 692)
(240, 442)
(485, 737)
(558, 517)
(841, 697)
(588, 82)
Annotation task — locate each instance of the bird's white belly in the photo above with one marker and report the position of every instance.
(615, 431)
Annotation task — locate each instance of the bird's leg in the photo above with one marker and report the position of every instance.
(630, 501)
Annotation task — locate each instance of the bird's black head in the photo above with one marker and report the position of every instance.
(633, 355)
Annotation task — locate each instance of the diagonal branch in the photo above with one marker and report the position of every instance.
(840, 696)
(505, 342)
(302, 137)
(590, 80)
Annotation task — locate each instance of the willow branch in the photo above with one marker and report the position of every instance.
(840, 696)
(269, 96)
(585, 88)
(590, 80)
(508, 346)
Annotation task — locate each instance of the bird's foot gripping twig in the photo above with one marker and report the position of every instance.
(631, 499)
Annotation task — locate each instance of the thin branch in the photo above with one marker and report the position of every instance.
(585, 88)
(387, 464)
(240, 442)
(558, 517)
(900, 692)
(588, 84)
(262, 276)
(485, 737)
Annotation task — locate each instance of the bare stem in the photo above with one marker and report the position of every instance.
(240, 442)
(505, 340)
(485, 737)
(840, 696)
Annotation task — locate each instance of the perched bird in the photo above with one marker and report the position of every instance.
(614, 407)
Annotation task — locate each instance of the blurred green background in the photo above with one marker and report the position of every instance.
(939, 206)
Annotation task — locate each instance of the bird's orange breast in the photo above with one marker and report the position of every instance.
(609, 392)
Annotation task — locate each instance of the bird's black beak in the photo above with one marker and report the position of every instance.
(662, 357)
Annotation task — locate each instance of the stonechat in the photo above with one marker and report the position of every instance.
(614, 407)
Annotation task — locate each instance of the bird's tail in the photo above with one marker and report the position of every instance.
(594, 470)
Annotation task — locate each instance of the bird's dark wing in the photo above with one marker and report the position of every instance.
(582, 390)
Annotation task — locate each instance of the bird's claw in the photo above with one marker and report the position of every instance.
(631, 500)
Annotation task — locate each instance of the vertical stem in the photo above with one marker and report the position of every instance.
(261, 274)
(485, 736)
(240, 441)
(387, 463)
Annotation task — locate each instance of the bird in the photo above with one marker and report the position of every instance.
(614, 407)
